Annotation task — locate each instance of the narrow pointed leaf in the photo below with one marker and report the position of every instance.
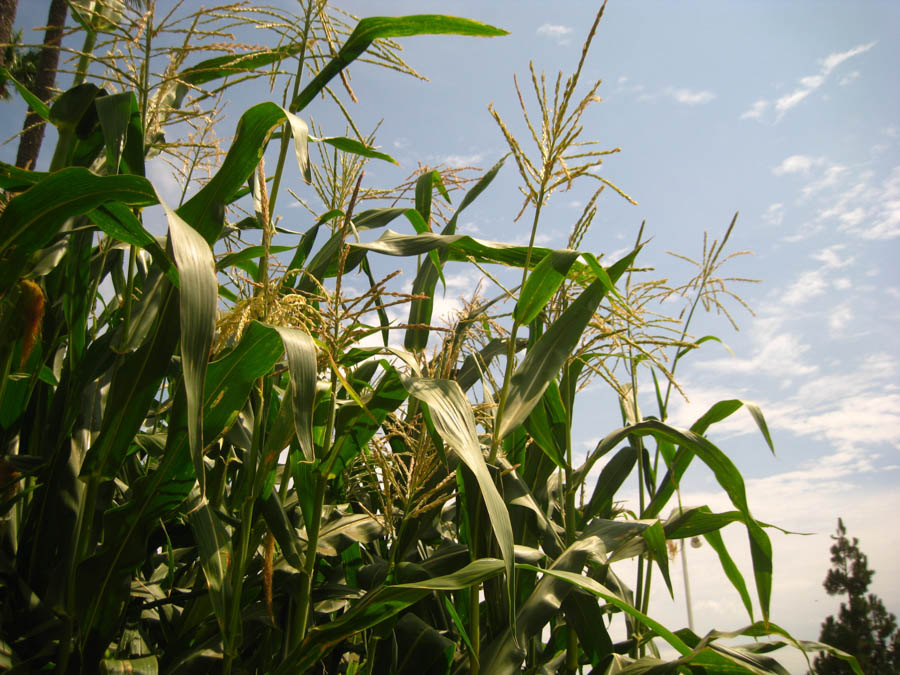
(543, 361)
(542, 284)
(354, 147)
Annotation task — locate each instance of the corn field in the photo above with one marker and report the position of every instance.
(217, 456)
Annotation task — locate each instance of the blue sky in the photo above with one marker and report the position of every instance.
(785, 112)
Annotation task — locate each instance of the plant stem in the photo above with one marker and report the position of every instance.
(511, 345)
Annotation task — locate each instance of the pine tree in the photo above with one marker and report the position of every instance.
(863, 626)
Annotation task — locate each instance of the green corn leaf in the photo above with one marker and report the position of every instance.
(420, 309)
(543, 361)
(655, 538)
(280, 526)
(301, 355)
(249, 253)
(36, 104)
(354, 147)
(379, 605)
(355, 425)
(32, 218)
(609, 481)
(14, 178)
(197, 294)
(612, 598)
(214, 546)
(232, 64)
(726, 474)
(542, 284)
(205, 210)
(683, 456)
(120, 121)
(451, 413)
(375, 27)
(119, 222)
(714, 539)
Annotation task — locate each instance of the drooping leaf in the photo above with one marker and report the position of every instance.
(726, 474)
(32, 218)
(612, 598)
(451, 413)
(205, 210)
(301, 355)
(375, 27)
(197, 293)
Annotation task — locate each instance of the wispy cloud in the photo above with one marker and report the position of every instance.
(774, 215)
(858, 204)
(808, 285)
(776, 352)
(557, 32)
(796, 164)
(458, 161)
(681, 95)
(807, 85)
(755, 111)
(690, 97)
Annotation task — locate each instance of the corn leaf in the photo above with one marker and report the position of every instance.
(375, 27)
(543, 361)
(451, 413)
(198, 292)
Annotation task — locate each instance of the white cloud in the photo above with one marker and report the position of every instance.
(807, 286)
(848, 78)
(459, 161)
(808, 84)
(690, 97)
(864, 207)
(755, 111)
(555, 31)
(777, 352)
(830, 257)
(796, 164)
(839, 317)
(774, 215)
(832, 61)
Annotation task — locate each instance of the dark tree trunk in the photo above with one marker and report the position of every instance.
(7, 17)
(33, 129)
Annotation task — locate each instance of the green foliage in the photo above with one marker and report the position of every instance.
(863, 627)
(207, 464)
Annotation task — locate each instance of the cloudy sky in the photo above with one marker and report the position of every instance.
(785, 112)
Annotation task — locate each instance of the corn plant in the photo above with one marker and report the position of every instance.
(206, 464)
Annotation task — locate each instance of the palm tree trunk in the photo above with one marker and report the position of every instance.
(7, 17)
(33, 129)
